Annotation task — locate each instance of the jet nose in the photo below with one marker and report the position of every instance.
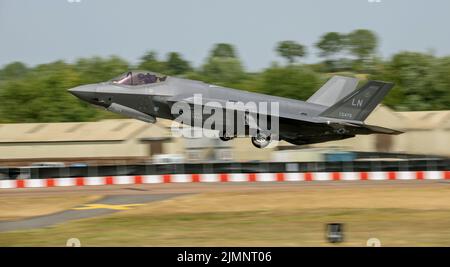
(84, 92)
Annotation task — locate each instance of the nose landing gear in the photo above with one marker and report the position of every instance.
(261, 140)
(224, 137)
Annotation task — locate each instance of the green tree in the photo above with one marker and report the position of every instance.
(41, 96)
(97, 69)
(223, 71)
(13, 70)
(290, 50)
(223, 50)
(149, 61)
(331, 44)
(176, 65)
(222, 66)
(421, 81)
(292, 81)
(441, 76)
(362, 43)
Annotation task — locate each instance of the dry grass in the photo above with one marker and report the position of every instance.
(398, 216)
(19, 207)
(421, 198)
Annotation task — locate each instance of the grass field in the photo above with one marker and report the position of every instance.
(410, 216)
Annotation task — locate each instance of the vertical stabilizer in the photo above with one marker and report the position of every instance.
(333, 90)
(359, 104)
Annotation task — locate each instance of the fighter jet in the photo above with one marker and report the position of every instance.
(336, 111)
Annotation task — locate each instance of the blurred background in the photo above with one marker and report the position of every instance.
(288, 50)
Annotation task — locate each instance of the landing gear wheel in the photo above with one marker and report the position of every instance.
(225, 138)
(261, 140)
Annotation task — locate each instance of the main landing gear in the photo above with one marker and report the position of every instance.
(261, 140)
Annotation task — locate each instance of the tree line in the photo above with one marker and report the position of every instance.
(39, 93)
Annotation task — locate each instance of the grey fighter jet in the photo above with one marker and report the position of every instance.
(336, 111)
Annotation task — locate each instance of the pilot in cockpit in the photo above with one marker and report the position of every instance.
(138, 78)
(146, 78)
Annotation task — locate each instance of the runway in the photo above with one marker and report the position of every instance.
(246, 213)
(106, 205)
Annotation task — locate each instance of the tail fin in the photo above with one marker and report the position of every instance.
(359, 104)
(333, 90)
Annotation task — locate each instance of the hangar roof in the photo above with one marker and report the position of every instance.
(124, 129)
(105, 130)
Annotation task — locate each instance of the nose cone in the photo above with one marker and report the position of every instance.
(84, 92)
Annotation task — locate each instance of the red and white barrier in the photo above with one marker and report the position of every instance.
(226, 177)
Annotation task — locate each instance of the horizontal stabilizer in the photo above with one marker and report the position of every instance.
(363, 128)
(381, 130)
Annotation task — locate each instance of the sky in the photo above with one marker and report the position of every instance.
(43, 31)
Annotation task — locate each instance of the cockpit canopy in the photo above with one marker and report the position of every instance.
(139, 78)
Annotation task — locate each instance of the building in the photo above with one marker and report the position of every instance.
(110, 142)
(130, 141)
(425, 132)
